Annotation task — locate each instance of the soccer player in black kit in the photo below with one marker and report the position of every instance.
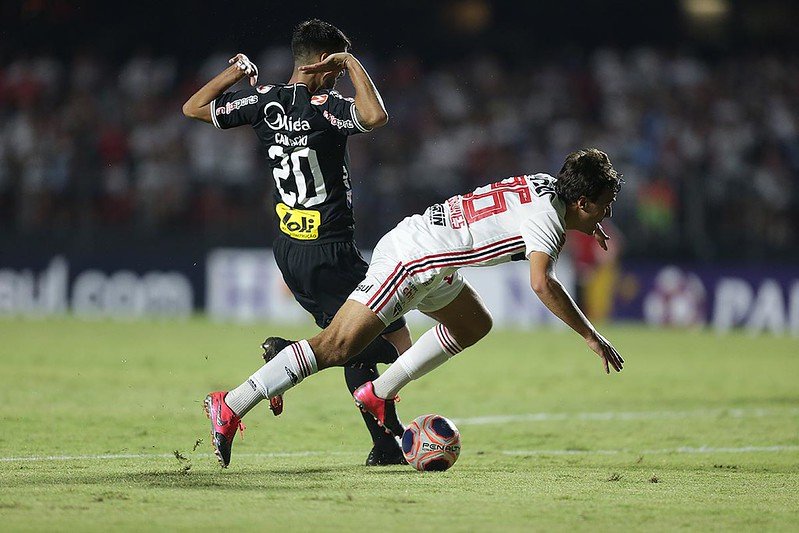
(303, 127)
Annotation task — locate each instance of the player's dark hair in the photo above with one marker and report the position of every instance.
(312, 37)
(586, 173)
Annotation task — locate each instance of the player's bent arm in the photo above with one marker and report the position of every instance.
(368, 103)
(198, 106)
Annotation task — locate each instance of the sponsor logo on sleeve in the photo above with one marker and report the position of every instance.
(263, 89)
(436, 215)
(318, 99)
(236, 104)
(339, 123)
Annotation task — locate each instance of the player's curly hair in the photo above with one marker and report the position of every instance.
(315, 36)
(586, 173)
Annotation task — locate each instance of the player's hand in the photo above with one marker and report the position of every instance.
(605, 350)
(333, 63)
(244, 64)
(601, 237)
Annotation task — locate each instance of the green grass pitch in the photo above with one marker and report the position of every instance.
(100, 421)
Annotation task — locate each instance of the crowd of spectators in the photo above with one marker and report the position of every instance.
(709, 148)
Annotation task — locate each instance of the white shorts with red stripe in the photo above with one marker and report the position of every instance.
(394, 285)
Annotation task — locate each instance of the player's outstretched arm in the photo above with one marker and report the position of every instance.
(198, 106)
(368, 102)
(554, 296)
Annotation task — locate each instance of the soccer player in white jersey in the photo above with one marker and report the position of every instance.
(415, 266)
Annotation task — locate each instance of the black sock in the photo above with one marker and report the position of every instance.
(377, 351)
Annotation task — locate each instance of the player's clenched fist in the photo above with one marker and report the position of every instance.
(244, 64)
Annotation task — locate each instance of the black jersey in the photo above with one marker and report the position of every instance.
(304, 136)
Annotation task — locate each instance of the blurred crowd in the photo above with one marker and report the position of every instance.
(709, 148)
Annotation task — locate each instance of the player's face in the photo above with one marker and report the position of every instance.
(596, 212)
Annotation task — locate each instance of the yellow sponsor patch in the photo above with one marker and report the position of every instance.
(301, 224)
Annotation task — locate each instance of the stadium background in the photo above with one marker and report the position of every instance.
(113, 203)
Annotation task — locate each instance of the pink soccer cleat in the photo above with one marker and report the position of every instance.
(224, 423)
(382, 410)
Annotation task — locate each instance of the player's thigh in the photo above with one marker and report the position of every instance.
(466, 316)
(296, 265)
(338, 269)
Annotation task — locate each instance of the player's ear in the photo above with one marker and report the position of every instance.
(323, 56)
(582, 203)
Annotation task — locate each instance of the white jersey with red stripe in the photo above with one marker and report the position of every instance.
(491, 225)
(415, 264)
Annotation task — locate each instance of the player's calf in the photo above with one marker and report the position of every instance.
(466, 318)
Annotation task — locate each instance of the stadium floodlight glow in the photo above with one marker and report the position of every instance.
(706, 9)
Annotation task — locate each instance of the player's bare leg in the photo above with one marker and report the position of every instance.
(350, 331)
(401, 339)
(462, 322)
(466, 318)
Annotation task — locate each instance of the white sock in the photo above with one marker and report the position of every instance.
(432, 350)
(291, 365)
(244, 397)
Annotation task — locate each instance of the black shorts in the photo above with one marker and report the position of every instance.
(322, 276)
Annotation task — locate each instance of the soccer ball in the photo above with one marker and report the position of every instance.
(431, 442)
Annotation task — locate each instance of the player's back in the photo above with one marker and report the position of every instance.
(304, 138)
(493, 224)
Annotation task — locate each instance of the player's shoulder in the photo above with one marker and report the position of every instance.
(539, 177)
(545, 197)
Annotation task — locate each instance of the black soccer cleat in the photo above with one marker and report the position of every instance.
(381, 457)
(272, 346)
